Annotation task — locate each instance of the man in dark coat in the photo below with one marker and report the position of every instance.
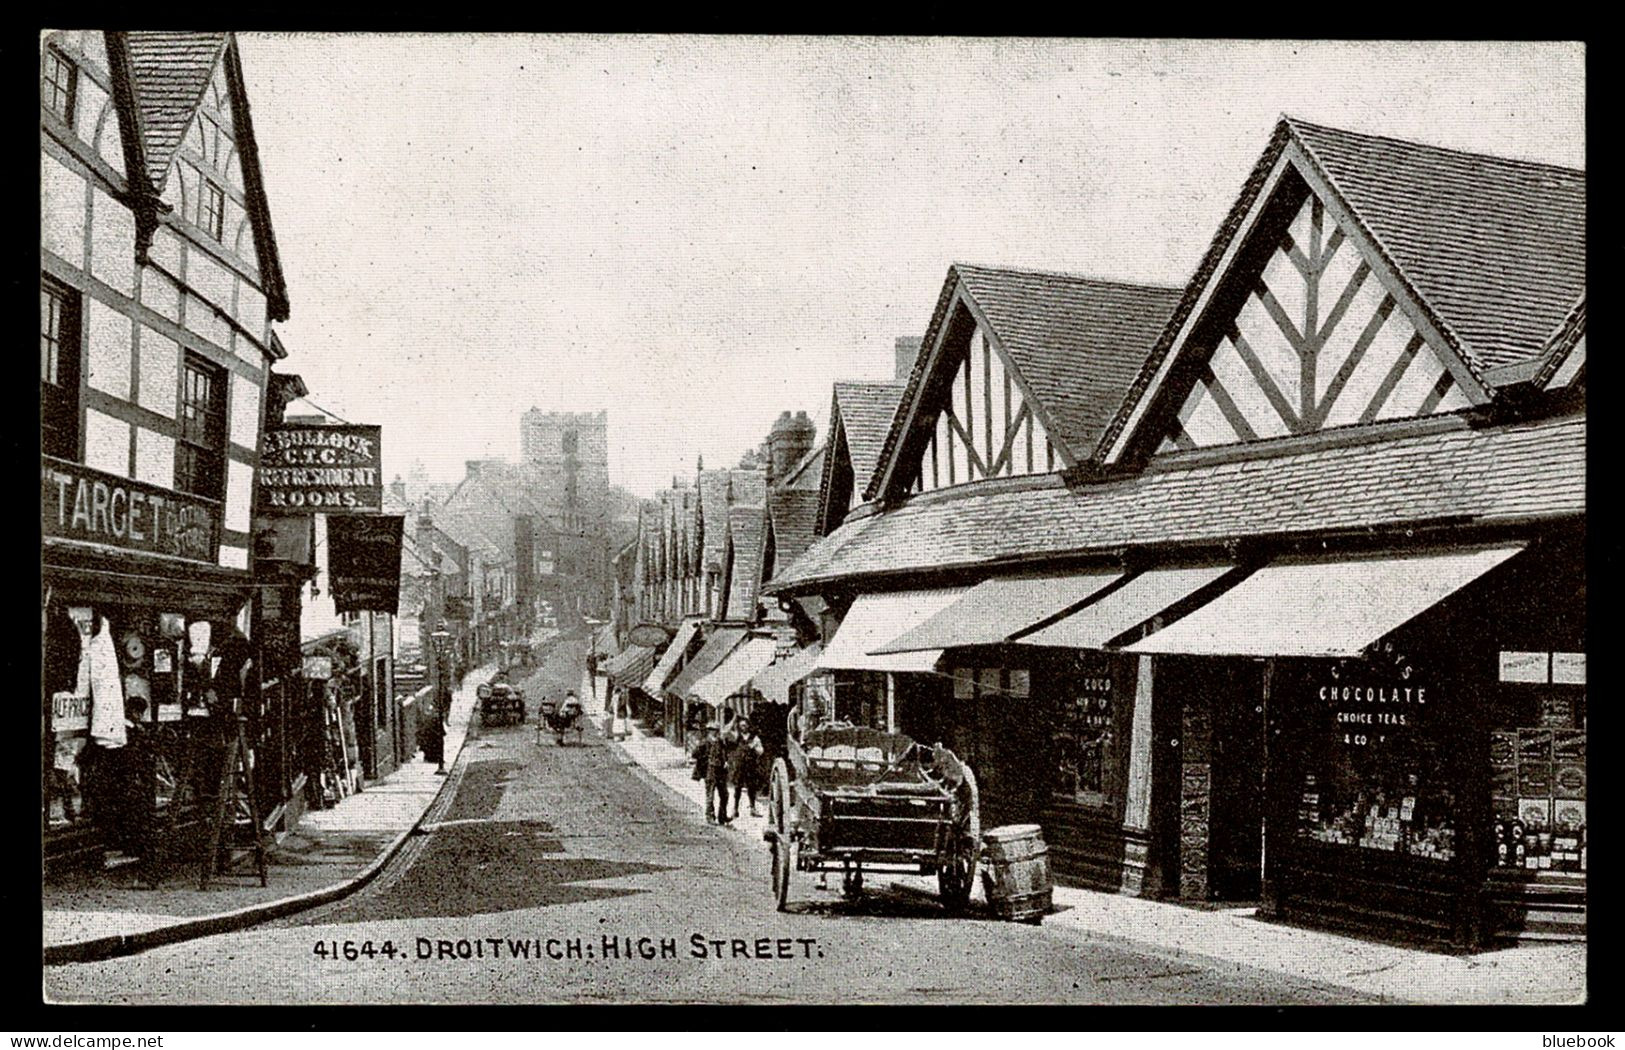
(712, 756)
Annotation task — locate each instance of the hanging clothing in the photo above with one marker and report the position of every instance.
(99, 674)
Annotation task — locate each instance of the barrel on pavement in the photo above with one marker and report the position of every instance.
(1016, 872)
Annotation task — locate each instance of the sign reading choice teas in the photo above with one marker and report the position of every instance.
(364, 558)
(321, 468)
(79, 503)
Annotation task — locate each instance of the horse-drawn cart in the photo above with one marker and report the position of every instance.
(852, 800)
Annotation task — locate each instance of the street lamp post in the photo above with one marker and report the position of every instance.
(441, 639)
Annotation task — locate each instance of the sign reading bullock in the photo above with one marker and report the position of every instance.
(311, 468)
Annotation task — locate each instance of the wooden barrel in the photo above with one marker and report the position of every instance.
(1016, 872)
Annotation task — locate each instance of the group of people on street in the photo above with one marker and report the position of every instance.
(730, 757)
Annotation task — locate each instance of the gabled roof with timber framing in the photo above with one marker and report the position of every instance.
(1072, 344)
(160, 79)
(1485, 254)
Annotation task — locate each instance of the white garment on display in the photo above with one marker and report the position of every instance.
(106, 685)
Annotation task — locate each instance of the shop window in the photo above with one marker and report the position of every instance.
(59, 82)
(1376, 776)
(1083, 736)
(200, 455)
(1538, 774)
(59, 370)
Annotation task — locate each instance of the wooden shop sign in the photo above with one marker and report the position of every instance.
(79, 503)
(311, 468)
(364, 560)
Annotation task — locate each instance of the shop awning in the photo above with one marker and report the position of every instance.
(723, 641)
(775, 680)
(732, 674)
(1323, 608)
(669, 660)
(876, 619)
(630, 665)
(1135, 602)
(994, 610)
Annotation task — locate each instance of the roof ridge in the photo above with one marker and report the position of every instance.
(1115, 282)
(1297, 122)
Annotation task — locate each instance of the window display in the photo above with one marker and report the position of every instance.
(1538, 785)
(1084, 740)
(1374, 777)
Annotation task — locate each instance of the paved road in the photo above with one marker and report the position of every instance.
(546, 857)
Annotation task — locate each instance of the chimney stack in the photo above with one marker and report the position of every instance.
(398, 488)
(908, 348)
(790, 440)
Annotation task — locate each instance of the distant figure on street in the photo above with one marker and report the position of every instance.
(712, 756)
(745, 764)
(592, 673)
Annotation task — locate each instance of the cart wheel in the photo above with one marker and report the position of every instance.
(778, 797)
(784, 862)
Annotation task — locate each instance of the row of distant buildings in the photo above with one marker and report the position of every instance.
(1265, 587)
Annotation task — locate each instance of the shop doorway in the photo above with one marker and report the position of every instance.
(1236, 850)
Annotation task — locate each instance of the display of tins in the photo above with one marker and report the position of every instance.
(1534, 746)
(1534, 780)
(1536, 814)
(1569, 746)
(1569, 782)
(1503, 748)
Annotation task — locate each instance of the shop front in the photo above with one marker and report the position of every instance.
(145, 663)
(1391, 741)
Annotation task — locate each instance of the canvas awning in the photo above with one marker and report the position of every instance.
(669, 660)
(1136, 601)
(630, 665)
(994, 610)
(875, 619)
(775, 680)
(1322, 608)
(733, 673)
(722, 641)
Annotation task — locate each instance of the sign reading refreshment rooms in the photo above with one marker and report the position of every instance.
(309, 468)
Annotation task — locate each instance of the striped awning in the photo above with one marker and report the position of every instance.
(734, 673)
(667, 664)
(716, 649)
(774, 681)
(630, 665)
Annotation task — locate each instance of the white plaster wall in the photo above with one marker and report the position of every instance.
(160, 294)
(62, 210)
(111, 334)
(210, 278)
(160, 367)
(245, 411)
(112, 247)
(166, 247)
(239, 495)
(107, 443)
(154, 458)
(251, 309)
(201, 318)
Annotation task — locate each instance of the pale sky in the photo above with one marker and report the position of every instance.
(699, 233)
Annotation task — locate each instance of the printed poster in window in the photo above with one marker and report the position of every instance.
(1083, 741)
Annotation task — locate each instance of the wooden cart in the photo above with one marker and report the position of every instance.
(852, 800)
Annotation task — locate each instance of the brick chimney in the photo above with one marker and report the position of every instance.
(397, 488)
(790, 440)
(908, 348)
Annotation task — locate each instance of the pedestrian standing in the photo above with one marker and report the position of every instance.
(592, 673)
(714, 756)
(745, 764)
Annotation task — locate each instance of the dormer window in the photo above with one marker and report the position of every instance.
(57, 83)
(212, 210)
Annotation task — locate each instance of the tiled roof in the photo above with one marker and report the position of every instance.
(1495, 246)
(170, 73)
(749, 488)
(806, 473)
(866, 416)
(794, 514)
(1528, 470)
(714, 508)
(747, 525)
(1077, 341)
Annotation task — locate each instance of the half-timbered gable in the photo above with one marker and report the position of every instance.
(1360, 280)
(1018, 373)
(156, 335)
(860, 414)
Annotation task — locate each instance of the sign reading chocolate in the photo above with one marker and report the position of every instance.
(79, 503)
(306, 468)
(1370, 700)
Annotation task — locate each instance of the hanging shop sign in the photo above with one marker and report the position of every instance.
(648, 635)
(364, 561)
(319, 668)
(310, 468)
(79, 503)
